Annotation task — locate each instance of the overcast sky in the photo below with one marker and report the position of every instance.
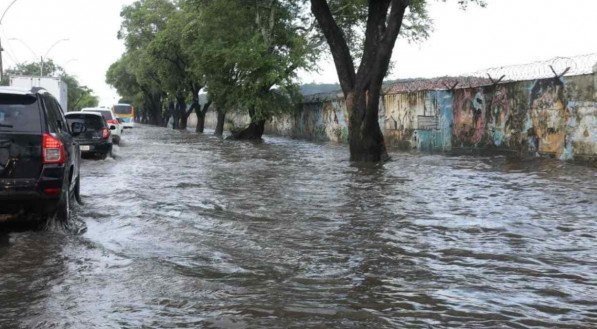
(506, 32)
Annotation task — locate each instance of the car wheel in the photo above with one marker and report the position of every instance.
(77, 190)
(116, 140)
(63, 211)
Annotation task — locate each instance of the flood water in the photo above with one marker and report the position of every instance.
(193, 231)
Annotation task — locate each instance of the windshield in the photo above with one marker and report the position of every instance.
(106, 114)
(123, 109)
(19, 113)
(92, 122)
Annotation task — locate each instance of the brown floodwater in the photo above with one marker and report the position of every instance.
(192, 231)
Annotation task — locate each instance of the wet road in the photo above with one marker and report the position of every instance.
(192, 231)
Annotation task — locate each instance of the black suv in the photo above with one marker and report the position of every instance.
(39, 158)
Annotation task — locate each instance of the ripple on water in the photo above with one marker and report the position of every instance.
(187, 230)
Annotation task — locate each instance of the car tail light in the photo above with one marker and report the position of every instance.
(105, 133)
(52, 191)
(112, 122)
(53, 151)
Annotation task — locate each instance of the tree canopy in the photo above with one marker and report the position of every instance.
(245, 55)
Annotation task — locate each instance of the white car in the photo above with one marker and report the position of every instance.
(111, 119)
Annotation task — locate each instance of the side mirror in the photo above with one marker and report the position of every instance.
(112, 127)
(77, 128)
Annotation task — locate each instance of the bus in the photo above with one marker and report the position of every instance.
(126, 113)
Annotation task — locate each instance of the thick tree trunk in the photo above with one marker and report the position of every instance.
(181, 109)
(362, 88)
(200, 121)
(253, 132)
(220, 124)
(365, 138)
(200, 114)
(152, 102)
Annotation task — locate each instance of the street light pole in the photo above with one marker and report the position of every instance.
(35, 56)
(41, 74)
(2, 49)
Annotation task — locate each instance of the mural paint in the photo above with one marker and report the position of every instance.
(469, 116)
(498, 116)
(582, 131)
(550, 117)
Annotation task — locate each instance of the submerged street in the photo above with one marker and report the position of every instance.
(187, 230)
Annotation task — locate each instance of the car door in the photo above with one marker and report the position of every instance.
(58, 125)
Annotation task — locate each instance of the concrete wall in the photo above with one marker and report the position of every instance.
(549, 117)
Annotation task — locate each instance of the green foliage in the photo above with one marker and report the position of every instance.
(245, 52)
(249, 53)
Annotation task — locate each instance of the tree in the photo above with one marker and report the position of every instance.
(174, 66)
(249, 65)
(135, 75)
(381, 22)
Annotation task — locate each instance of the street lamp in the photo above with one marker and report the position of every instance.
(41, 74)
(35, 56)
(1, 49)
(70, 61)
(41, 64)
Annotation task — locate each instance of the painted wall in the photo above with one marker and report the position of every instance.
(554, 117)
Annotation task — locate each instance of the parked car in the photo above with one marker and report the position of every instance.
(39, 158)
(95, 139)
(111, 119)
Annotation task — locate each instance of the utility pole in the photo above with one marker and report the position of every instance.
(2, 49)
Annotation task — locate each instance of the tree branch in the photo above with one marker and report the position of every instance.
(337, 43)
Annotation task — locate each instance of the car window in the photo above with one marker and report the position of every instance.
(60, 115)
(106, 114)
(19, 113)
(52, 117)
(91, 122)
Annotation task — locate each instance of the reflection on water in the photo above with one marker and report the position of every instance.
(194, 231)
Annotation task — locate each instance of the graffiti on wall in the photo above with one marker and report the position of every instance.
(469, 116)
(336, 124)
(548, 117)
(555, 117)
(498, 116)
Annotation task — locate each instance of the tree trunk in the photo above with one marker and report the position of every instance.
(362, 88)
(201, 115)
(152, 103)
(253, 132)
(181, 109)
(172, 113)
(365, 138)
(200, 121)
(220, 124)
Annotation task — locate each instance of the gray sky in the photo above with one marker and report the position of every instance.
(506, 32)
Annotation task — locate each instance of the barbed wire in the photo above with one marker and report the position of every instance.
(442, 83)
(559, 66)
(555, 67)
